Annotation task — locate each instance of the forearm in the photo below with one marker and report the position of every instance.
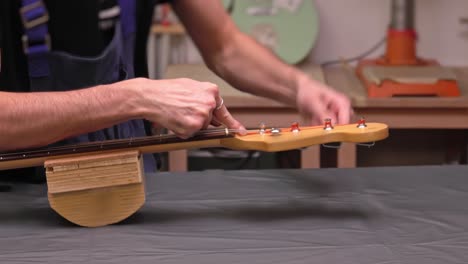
(250, 67)
(234, 56)
(254, 69)
(37, 119)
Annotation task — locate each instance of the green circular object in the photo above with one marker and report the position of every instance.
(288, 27)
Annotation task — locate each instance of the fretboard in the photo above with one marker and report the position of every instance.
(113, 145)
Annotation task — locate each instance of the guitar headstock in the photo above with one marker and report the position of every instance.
(280, 139)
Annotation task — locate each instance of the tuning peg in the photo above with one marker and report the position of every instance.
(295, 127)
(328, 125)
(361, 123)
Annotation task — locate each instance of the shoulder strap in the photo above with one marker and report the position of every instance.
(36, 38)
(128, 16)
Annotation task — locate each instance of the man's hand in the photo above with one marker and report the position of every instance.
(316, 102)
(183, 106)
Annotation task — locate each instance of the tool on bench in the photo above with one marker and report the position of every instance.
(400, 72)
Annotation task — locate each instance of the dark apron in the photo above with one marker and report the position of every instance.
(61, 71)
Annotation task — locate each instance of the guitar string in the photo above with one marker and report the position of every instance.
(129, 141)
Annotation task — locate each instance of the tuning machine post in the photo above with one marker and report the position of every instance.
(295, 127)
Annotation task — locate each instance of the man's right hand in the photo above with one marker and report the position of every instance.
(183, 106)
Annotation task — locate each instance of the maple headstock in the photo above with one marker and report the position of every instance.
(280, 139)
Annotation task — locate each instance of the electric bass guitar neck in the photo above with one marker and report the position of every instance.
(263, 139)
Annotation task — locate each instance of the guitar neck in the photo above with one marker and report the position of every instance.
(152, 144)
(270, 140)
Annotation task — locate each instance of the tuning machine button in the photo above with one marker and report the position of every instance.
(361, 123)
(295, 127)
(328, 125)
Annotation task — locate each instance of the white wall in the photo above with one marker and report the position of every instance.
(350, 27)
(442, 36)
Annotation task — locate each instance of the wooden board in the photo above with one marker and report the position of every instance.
(96, 190)
(83, 173)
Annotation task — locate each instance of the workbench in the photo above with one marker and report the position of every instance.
(404, 112)
(398, 113)
(347, 216)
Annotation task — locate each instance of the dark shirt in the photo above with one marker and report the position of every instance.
(74, 27)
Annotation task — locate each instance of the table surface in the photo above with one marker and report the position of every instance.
(341, 78)
(365, 215)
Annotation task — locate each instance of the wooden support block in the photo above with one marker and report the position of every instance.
(96, 190)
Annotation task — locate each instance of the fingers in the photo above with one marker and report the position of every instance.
(215, 122)
(219, 102)
(332, 105)
(344, 111)
(344, 115)
(186, 106)
(221, 115)
(316, 115)
(317, 112)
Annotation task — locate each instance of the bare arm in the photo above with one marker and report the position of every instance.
(37, 119)
(248, 66)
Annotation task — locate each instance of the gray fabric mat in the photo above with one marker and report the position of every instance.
(368, 215)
